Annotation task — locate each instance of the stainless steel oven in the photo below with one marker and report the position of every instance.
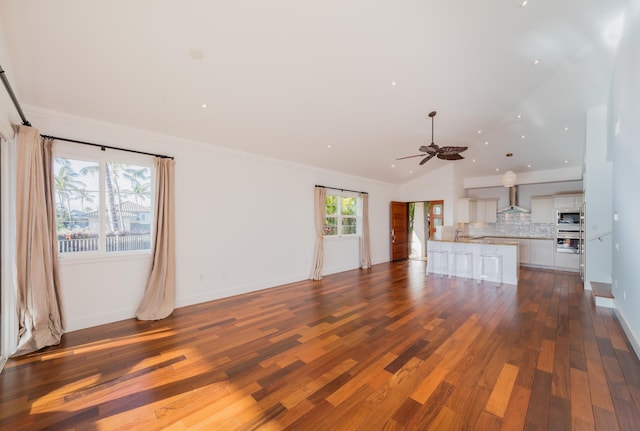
(568, 241)
(569, 220)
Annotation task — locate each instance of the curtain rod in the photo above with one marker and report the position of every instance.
(104, 147)
(342, 190)
(12, 95)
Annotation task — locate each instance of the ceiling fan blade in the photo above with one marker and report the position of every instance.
(426, 159)
(424, 148)
(454, 156)
(451, 150)
(410, 157)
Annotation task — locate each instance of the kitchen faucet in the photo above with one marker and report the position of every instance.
(458, 231)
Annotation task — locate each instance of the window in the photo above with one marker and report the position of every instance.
(342, 215)
(102, 206)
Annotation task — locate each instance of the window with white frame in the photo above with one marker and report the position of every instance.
(103, 203)
(342, 215)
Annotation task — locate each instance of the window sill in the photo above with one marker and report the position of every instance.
(100, 258)
(342, 238)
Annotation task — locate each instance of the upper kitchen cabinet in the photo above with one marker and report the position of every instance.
(543, 209)
(568, 200)
(477, 211)
(466, 210)
(487, 211)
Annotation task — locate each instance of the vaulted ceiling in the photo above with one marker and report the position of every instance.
(344, 85)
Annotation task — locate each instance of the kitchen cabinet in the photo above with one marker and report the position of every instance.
(543, 209)
(477, 211)
(524, 250)
(568, 201)
(567, 262)
(466, 211)
(542, 252)
(486, 211)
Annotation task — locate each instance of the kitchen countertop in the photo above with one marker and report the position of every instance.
(491, 239)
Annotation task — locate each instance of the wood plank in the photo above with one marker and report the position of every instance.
(387, 348)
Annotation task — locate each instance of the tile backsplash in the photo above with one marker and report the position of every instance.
(511, 224)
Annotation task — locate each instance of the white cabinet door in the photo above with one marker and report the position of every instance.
(486, 211)
(466, 211)
(543, 209)
(524, 246)
(568, 201)
(542, 252)
(567, 261)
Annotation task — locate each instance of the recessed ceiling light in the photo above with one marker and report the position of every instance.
(393, 83)
(410, 172)
(474, 160)
(519, 116)
(536, 61)
(479, 131)
(522, 136)
(393, 166)
(497, 169)
(566, 128)
(486, 142)
(204, 105)
(329, 146)
(528, 166)
(524, 3)
(566, 161)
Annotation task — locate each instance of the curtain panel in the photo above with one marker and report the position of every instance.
(319, 203)
(40, 318)
(159, 297)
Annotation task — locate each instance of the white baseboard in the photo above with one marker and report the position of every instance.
(628, 332)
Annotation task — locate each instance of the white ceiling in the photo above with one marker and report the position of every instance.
(288, 78)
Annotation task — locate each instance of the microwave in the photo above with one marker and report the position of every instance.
(568, 218)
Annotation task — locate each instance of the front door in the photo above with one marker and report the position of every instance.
(399, 231)
(436, 216)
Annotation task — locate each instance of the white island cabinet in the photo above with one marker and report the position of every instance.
(509, 252)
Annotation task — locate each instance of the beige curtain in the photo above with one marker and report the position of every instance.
(160, 292)
(365, 246)
(319, 203)
(40, 321)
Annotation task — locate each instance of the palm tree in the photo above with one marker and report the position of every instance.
(140, 191)
(112, 208)
(66, 183)
(84, 196)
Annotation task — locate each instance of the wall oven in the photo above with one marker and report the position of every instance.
(568, 242)
(569, 235)
(569, 220)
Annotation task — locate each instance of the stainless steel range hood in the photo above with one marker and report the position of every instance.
(513, 202)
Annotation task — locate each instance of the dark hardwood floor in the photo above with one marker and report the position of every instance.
(385, 349)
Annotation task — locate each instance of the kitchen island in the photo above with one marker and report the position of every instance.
(474, 249)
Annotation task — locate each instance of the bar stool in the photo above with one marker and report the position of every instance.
(492, 256)
(467, 260)
(438, 261)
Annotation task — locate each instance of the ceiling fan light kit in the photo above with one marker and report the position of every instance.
(432, 150)
(509, 179)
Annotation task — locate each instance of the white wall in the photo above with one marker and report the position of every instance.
(243, 223)
(597, 196)
(441, 184)
(624, 151)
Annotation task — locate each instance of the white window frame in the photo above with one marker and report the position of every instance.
(358, 216)
(74, 151)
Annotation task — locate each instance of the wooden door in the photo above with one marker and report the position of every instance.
(399, 231)
(436, 216)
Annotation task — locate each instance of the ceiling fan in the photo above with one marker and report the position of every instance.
(431, 150)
